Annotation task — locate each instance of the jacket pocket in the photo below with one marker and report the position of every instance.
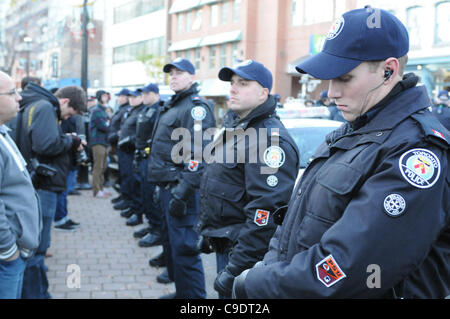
(339, 178)
(311, 229)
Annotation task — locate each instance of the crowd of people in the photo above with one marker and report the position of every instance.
(375, 192)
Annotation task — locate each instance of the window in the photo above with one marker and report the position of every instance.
(189, 17)
(235, 53)
(197, 58)
(214, 15)
(212, 57)
(442, 34)
(223, 55)
(413, 17)
(236, 10)
(311, 12)
(197, 24)
(180, 22)
(224, 13)
(134, 9)
(134, 51)
(296, 13)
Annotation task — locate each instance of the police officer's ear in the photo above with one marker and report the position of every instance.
(391, 70)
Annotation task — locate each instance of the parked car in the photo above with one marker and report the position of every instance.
(308, 134)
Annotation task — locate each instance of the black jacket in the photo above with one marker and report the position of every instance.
(370, 217)
(146, 121)
(237, 198)
(116, 122)
(191, 115)
(127, 136)
(41, 136)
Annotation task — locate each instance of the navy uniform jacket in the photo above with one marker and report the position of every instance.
(145, 124)
(370, 216)
(190, 116)
(237, 198)
(127, 135)
(442, 112)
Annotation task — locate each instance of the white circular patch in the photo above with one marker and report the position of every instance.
(420, 167)
(198, 113)
(272, 181)
(394, 205)
(274, 157)
(336, 28)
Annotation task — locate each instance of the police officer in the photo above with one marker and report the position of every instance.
(335, 114)
(370, 215)
(129, 186)
(237, 198)
(151, 236)
(113, 135)
(442, 108)
(177, 171)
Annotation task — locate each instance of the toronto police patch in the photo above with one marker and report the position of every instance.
(198, 113)
(274, 157)
(329, 272)
(394, 205)
(420, 167)
(272, 181)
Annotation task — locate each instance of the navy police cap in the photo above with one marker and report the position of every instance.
(136, 93)
(359, 35)
(249, 70)
(180, 64)
(124, 91)
(150, 88)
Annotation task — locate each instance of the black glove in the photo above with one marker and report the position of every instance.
(177, 208)
(224, 283)
(238, 289)
(204, 245)
(76, 142)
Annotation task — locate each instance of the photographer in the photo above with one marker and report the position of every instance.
(46, 150)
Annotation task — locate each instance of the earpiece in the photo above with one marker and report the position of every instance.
(387, 74)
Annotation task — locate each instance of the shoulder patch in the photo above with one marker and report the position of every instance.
(329, 272)
(394, 205)
(420, 167)
(198, 113)
(274, 157)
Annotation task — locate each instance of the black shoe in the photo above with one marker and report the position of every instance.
(74, 192)
(150, 240)
(121, 205)
(164, 278)
(158, 261)
(73, 224)
(134, 220)
(65, 227)
(117, 199)
(169, 296)
(127, 213)
(141, 232)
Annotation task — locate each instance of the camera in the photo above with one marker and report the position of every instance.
(81, 156)
(38, 169)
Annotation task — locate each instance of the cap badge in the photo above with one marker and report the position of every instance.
(336, 28)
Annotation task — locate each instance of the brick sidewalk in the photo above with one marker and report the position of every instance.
(110, 262)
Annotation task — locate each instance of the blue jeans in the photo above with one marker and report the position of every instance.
(11, 278)
(35, 283)
(61, 206)
(184, 264)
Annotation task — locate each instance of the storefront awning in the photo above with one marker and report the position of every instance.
(185, 45)
(220, 38)
(214, 87)
(183, 5)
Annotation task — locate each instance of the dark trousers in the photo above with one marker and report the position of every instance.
(129, 185)
(183, 260)
(152, 209)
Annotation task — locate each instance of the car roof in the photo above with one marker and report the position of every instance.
(303, 122)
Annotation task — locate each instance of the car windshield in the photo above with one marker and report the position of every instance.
(308, 139)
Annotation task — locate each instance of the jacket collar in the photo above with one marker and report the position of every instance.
(180, 95)
(265, 110)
